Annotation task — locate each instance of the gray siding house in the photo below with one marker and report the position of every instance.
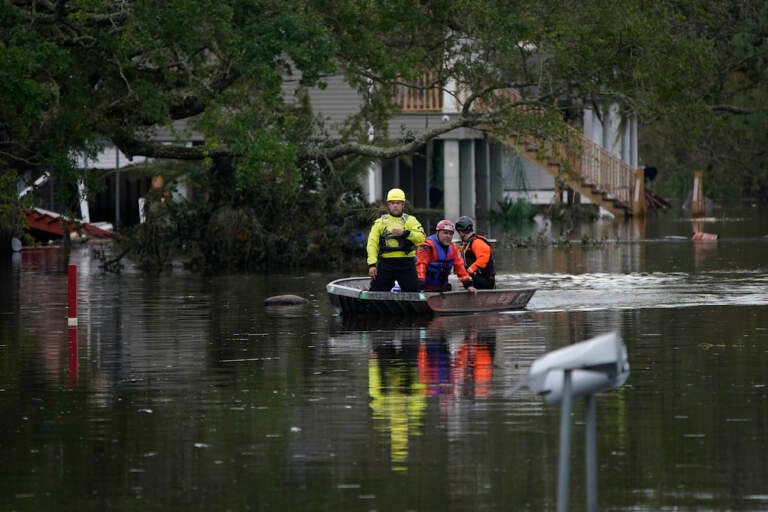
(462, 172)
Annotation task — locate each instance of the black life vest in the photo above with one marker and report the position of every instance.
(386, 238)
(469, 257)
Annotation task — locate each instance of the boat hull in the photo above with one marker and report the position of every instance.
(351, 295)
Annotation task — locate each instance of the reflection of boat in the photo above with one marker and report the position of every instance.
(409, 367)
(349, 327)
(351, 295)
(343, 323)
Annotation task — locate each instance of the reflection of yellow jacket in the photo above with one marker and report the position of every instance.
(382, 243)
(395, 409)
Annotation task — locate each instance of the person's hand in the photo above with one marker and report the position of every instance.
(397, 231)
(472, 290)
(373, 272)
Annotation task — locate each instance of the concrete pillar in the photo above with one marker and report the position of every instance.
(586, 128)
(633, 142)
(499, 156)
(484, 200)
(451, 184)
(609, 132)
(625, 143)
(450, 105)
(616, 136)
(372, 182)
(597, 128)
(467, 172)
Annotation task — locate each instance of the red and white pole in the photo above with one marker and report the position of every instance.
(72, 324)
(74, 364)
(72, 304)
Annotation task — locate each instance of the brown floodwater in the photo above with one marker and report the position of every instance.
(183, 392)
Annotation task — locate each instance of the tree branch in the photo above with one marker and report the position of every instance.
(131, 146)
(733, 109)
(333, 152)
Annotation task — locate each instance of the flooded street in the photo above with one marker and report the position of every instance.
(183, 392)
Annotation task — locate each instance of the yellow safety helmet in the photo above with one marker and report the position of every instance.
(396, 194)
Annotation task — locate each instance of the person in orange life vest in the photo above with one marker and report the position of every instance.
(477, 255)
(391, 247)
(437, 257)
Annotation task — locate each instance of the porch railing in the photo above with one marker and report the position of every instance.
(598, 167)
(579, 161)
(582, 164)
(421, 96)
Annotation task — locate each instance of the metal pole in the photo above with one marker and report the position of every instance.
(564, 466)
(590, 441)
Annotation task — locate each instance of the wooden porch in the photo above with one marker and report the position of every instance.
(575, 161)
(587, 168)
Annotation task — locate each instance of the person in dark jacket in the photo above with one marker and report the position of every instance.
(477, 254)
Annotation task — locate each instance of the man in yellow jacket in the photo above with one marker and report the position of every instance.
(392, 245)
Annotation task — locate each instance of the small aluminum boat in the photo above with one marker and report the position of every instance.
(351, 295)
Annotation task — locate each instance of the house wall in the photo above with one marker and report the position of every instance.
(123, 181)
(466, 174)
(333, 104)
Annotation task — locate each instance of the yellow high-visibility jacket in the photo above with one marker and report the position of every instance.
(382, 244)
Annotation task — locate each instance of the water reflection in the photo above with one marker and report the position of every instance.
(416, 363)
(397, 398)
(466, 369)
(730, 224)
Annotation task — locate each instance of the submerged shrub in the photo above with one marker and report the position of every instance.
(512, 215)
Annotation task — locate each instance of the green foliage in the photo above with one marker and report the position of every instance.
(238, 72)
(728, 139)
(512, 216)
(12, 219)
(264, 226)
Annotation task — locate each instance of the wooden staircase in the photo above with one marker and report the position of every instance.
(579, 163)
(574, 160)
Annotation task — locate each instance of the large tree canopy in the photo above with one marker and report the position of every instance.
(74, 73)
(728, 137)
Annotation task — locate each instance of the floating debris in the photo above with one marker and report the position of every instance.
(284, 300)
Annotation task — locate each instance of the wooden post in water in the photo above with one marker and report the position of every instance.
(697, 196)
(638, 194)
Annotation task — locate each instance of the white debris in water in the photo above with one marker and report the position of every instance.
(201, 445)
